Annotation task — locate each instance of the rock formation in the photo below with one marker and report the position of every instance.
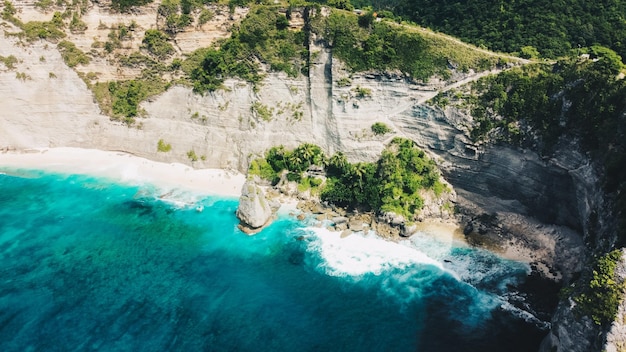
(255, 210)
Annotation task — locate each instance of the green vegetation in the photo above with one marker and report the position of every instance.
(362, 92)
(76, 24)
(31, 31)
(261, 168)
(175, 21)
(125, 5)
(205, 16)
(8, 11)
(552, 27)
(380, 128)
(393, 183)
(388, 46)
(262, 36)
(120, 100)
(71, 54)
(44, 5)
(8, 61)
(192, 156)
(156, 43)
(535, 105)
(163, 147)
(117, 35)
(344, 82)
(262, 111)
(22, 76)
(601, 296)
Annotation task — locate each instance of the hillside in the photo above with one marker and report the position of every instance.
(552, 28)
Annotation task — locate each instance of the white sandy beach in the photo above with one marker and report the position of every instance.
(127, 168)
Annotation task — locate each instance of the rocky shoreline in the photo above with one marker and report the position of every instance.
(537, 295)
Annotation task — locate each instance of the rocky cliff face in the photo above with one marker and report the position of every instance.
(544, 206)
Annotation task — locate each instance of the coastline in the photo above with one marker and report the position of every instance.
(130, 169)
(126, 168)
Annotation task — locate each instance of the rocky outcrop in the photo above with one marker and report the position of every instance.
(255, 211)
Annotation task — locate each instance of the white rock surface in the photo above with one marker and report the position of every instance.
(254, 209)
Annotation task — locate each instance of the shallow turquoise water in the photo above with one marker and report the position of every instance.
(87, 264)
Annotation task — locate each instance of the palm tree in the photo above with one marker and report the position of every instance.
(358, 170)
(295, 161)
(339, 162)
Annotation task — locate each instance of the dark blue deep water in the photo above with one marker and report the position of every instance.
(87, 264)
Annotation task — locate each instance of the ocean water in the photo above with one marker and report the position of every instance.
(87, 264)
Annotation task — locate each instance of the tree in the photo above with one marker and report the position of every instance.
(282, 22)
(210, 75)
(341, 4)
(125, 5)
(337, 164)
(529, 52)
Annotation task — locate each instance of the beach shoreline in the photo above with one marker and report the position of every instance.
(126, 168)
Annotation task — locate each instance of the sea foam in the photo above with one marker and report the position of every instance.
(363, 253)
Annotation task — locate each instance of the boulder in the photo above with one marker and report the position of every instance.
(408, 230)
(345, 233)
(340, 220)
(355, 225)
(254, 211)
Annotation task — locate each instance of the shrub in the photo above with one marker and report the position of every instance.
(8, 11)
(50, 30)
(192, 155)
(205, 16)
(156, 43)
(22, 76)
(8, 61)
(76, 24)
(344, 82)
(71, 54)
(380, 128)
(163, 147)
(260, 167)
(262, 111)
(44, 4)
(362, 92)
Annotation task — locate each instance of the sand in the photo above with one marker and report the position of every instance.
(127, 169)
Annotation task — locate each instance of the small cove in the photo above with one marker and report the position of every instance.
(88, 264)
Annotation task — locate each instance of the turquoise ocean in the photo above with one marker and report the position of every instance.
(87, 264)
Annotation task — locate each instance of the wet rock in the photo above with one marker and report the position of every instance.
(408, 230)
(469, 228)
(340, 220)
(355, 225)
(317, 209)
(345, 233)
